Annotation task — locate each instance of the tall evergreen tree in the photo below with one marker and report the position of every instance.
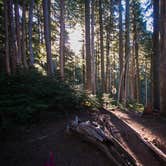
(163, 57)
(31, 8)
(127, 50)
(87, 45)
(62, 37)
(47, 35)
(120, 89)
(7, 56)
(155, 57)
(101, 46)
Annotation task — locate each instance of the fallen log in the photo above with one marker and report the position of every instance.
(157, 152)
(95, 133)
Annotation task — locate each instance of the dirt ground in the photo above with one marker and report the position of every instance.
(32, 146)
(151, 127)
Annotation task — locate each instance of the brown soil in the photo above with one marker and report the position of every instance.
(33, 146)
(28, 147)
(151, 127)
(132, 143)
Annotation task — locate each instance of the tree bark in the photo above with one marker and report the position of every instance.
(92, 49)
(101, 46)
(137, 72)
(136, 56)
(62, 38)
(83, 66)
(17, 17)
(163, 57)
(108, 67)
(87, 44)
(47, 35)
(13, 48)
(24, 35)
(30, 32)
(127, 50)
(7, 58)
(120, 91)
(132, 74)
(155, 57)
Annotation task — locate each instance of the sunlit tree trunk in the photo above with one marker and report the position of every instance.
(155, 57)
(31, 7)
(47, 35)
(83, 65)
(108, 66)
(92, 49)
(17, 18)
(62, 38)
(132, 74)
(146, 83)
(127, 50)
(7, 58)
(136, 55)
(87, 45)
(24, 59)
(97, 60)
(101, 46)
(120, 89)
(163, 57)
(137, 71)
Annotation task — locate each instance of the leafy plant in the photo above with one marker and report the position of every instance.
(24, 95)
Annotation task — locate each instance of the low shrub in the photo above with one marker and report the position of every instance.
(24, 95)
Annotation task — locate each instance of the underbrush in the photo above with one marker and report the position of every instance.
(24, 95)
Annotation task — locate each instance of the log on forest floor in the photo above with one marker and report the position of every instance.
(102, 139)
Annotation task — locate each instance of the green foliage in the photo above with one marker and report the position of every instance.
(24, 95)
(135, 106)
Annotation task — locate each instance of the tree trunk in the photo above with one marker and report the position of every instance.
(163, 57)
(101, 46)
(39, 23)
(120, 91)
(7, 58)
(17, 18)
(108, 67)
(13, 49)
(83, 66)
(132, 76)
(146, 84)
(136, 52)
(155, 58)
(30, 32)
(62, 38)
(137, 72)
(92, 50)
(24, 35)
(127, 50)
(47, 35)
(87, 44)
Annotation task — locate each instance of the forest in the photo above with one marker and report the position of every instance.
(99, 62)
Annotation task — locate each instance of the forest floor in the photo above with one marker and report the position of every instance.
(150, 127)
(31, 146)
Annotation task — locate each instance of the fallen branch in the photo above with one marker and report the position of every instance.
(94, 133)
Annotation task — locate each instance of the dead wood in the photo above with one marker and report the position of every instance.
(95, 134)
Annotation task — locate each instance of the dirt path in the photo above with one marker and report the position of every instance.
(151, 128)
(130, 141)
(32, 146)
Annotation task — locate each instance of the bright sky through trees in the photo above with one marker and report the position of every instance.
(75, 36)
(74, 39)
